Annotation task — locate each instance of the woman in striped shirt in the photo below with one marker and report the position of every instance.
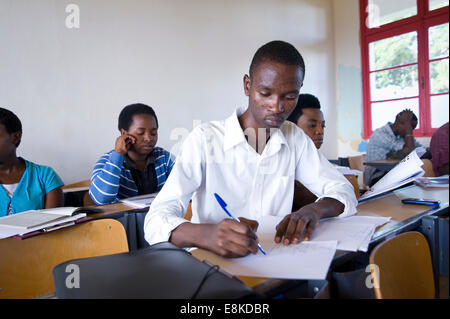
(136, 166)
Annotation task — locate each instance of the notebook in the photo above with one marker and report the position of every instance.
(40, 218)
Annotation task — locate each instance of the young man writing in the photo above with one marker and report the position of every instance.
(251, 160)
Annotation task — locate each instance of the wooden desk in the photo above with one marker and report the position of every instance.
(383, 165)
(390, 205)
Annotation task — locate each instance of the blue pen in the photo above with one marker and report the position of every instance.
(224, 205)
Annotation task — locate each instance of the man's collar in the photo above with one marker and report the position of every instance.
(234, 134)
(233, 131)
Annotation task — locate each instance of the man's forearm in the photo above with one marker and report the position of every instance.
(328, 207)
(409, 141)
(189, 235)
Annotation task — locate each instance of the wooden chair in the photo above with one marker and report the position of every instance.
(354, 181)
(77, 185)
(403, 268)
(87, 200)
(26, 265)
(428, 168)
(357, 162)
(188, 215)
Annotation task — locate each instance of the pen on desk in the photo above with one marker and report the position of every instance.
(223, 205)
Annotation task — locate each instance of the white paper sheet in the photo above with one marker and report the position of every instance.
(352, 233)
(141, 201)
(309, 260)
(348, 171)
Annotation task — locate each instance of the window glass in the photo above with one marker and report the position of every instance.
(394, 83)
(439, 110)
(383, 112)
(438, 41)
(394, 51)
(436, 4)
(386, 11)
(439, 76)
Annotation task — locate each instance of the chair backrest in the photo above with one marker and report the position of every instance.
(357, 162)
(428, 168)
(188, 215)
(87, 200)
(401, 268)
(354, 181)
(85, 183)
(26, 265)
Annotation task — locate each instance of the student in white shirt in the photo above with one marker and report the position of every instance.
(251, 160)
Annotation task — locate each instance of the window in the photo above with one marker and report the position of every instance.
(405, 58)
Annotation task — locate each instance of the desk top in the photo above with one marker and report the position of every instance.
(389, 205)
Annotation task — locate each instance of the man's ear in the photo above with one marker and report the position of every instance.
(16, 138)
(247, 84)
(122, 131)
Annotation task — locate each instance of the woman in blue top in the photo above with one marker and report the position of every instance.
(23, 184)
(136, 166)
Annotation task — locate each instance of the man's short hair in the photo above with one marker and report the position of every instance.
(277, 51)
(305, 101)
(11, 122)
(414, 117)
(126, 115)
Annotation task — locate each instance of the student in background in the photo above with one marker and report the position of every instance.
(392, 141)
(136, 166)
(308, 116)
(23, 185)
(439, 150)
(251, 160)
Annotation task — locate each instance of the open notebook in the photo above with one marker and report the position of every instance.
(41, 218)
(406, 171)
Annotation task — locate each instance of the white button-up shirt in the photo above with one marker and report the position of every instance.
(216, 158)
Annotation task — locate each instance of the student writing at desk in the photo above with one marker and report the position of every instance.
(251, 160)
(23, 185)
(136, 166)
(391, 141)
(308, 116)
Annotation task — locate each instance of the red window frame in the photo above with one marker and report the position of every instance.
(419, 23)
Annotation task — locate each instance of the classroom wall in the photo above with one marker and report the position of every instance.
(184, 58)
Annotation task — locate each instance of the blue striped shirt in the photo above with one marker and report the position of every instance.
(112, 181)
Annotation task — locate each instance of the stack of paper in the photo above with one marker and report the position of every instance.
(441, 181)
(344, 170)
(406, 171)
(141, 201)
(352, 233)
